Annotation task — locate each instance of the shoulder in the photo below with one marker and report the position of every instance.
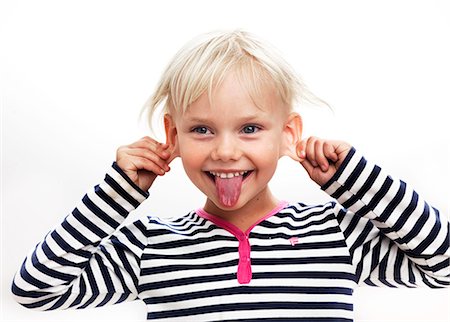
(185, 224)
(315, 225)
(302, 211)
(299, 215)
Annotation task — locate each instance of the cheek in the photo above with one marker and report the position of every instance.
(191, 156)
(265, 155)
(268, 147)
(189, 160)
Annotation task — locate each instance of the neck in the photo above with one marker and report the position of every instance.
(244, 216)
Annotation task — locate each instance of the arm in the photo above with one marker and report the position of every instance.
(77, 265)
(88, 260)
(395, 237)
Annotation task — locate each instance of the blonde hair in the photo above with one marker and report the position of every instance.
(204, 62)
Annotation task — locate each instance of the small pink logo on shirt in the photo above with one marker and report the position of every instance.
(293, 241)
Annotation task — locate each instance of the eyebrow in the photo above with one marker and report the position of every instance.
(243, 119)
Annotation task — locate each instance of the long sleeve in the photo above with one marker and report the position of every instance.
(87, 261)
(394, 236)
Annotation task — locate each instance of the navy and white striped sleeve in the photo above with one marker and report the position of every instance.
(84, 261)
(395, 237)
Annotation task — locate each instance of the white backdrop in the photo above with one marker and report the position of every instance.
(76, 73)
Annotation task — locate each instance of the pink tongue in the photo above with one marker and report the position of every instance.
(229, 190)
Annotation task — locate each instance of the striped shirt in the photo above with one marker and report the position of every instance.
(298, 263)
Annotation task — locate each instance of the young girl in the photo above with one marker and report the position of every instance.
(245, 255)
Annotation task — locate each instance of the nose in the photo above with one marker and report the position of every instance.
(226, 149)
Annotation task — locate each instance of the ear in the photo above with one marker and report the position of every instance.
(292, 135)
(171, 136)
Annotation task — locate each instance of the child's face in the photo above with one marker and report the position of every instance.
(231, 137)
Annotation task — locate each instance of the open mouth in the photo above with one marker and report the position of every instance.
(228, 185)
(213, 175)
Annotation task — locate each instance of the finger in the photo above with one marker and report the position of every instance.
(320, 157)
(148, 143)
(310, 151)
(162, 149)
(146, 140)
(125, 153)
(172, 155)
(330, 151)
(300, 150)
(150, 155)
(308, 166)
(132, 165)
(141, 163)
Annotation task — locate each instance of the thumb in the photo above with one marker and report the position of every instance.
(307, 165)
(302, 158)
(300, 151)
(173, 151)
(293, 155)
(168, 152)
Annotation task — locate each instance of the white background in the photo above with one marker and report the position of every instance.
(75, 75)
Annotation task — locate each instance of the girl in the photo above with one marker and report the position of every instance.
(245, 255)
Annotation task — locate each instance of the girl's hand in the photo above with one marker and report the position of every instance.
(144, 160)
(321, 158)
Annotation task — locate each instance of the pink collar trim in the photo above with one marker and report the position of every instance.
(244, 269)
(232, 228)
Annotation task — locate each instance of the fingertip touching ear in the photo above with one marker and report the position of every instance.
(292, 135)
(171, 136)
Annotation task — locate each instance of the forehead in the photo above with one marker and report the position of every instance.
(236, 95)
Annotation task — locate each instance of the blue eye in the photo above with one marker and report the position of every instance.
(200, 130)
(249, 129)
